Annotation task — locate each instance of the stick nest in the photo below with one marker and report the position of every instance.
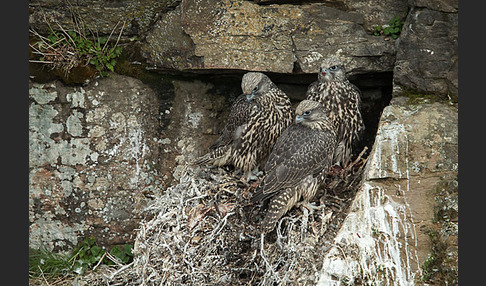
(204, 231)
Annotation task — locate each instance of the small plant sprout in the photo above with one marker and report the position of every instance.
(393, 29)
(65, 49)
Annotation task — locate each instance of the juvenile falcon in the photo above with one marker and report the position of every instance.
(298, 163)
(342, 101)
(256, 120)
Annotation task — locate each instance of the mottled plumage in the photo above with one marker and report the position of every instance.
(256, 120)
(298, 163)
(342, 100)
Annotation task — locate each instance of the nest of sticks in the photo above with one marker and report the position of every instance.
(204, 231)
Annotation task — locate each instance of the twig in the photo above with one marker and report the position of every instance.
(112, 258)
(268, 266)
(66, 33)
(221, 225)
(77, 20)
(99, 262)
(109, 37)
(41, 62)
(357, 159)
(119, 35)
(37, 34)
(44, 40)
(43, 277)
(123, 268)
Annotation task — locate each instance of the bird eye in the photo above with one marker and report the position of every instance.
(307, 112)
(255, 89)
(333, 68)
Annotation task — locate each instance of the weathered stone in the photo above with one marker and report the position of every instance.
(373, 12)
(237, 34)
(176, 53)
(42, 96)
(427, 55)
(385, 237)
(195, 118)
(100, 152)
(377, 12)
(345, 37)
(73, 124)
(78, 188)
(438, 5)
(98, 15)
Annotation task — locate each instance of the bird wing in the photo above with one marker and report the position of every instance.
(312, 91)
(361, 126)
(238, 118)
(299, 152)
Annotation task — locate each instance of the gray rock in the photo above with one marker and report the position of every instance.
(73, 124)
(194, 119)
(427, 55)
(377, 12)
(438, 5)
(98, 15)
(327, 31)
(42, 96)
(41, 125)
(177, 53)
(385, 237)
(100, 153)
(275, 38)
(83, 184)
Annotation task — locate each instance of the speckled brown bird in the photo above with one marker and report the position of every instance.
(256, 119)
(298, 163)
(342, 101)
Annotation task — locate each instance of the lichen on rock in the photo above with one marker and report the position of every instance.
(236, 34)
(90, 160)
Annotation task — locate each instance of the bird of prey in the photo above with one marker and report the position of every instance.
(342, 101)
(256, 119)
(298, 163)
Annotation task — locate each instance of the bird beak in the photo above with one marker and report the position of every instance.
(299, 118)
(249, 97)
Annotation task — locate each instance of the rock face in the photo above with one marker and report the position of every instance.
(192, 122)
(377, 13)
(237, 34)
(427, 56)
(386, 237)
(100, 16)
(100, 153)
(217, 35)
(93, 153)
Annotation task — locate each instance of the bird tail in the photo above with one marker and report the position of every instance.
(279, 205)
(267, 188)
(260, 195)
(219, 156)
(204, 159)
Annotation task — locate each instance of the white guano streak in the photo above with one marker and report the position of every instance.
(377, 230)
